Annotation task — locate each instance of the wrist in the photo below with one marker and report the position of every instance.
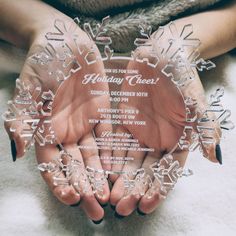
(38, 29)
(29, 19)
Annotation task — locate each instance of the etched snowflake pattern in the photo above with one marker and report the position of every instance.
(31, 111)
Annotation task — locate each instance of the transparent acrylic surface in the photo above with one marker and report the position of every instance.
(131, 108)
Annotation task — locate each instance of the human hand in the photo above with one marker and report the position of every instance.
(166, 113)
(51, 80)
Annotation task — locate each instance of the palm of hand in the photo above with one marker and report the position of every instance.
(162, 110)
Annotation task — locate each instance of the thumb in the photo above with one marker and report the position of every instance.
(19, 120)
(202, 120)
(17, 143)
(210, 121)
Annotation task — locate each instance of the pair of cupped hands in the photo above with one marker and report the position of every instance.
(163, 110)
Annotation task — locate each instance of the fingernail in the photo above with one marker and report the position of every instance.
(13, 150)
(103, 205)
(218, 154)
(75, 205)
(113, 207)
(140, 212)
(97, 222)
(59, 147)
(118, 216)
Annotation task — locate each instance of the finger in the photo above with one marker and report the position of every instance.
(105, 131)
(209, 136)
(18, 116)
(89, 203)
(154, 196)
(20, 120)
(206, 125)
(118, 155)
(64, 193)
(89, 151)
(18, 144)
(141, 186)
(125, 203)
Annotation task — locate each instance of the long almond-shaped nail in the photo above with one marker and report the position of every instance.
(59, 147)
(103, 205)
(13, 150)
(218, 154)
(113, 207)
(119, 216)
(97, 222)
(140, 212)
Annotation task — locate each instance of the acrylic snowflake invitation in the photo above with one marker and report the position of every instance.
(131, 116)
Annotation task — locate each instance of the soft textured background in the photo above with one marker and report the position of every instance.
(201, 205)
(127, 15)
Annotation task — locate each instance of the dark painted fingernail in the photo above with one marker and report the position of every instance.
(140, 212)
(75, 205)
(97, 222)
(13, 150)
(59, 147)
(118, 216)
(218, 154)
(103, 205)
(113, 207)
